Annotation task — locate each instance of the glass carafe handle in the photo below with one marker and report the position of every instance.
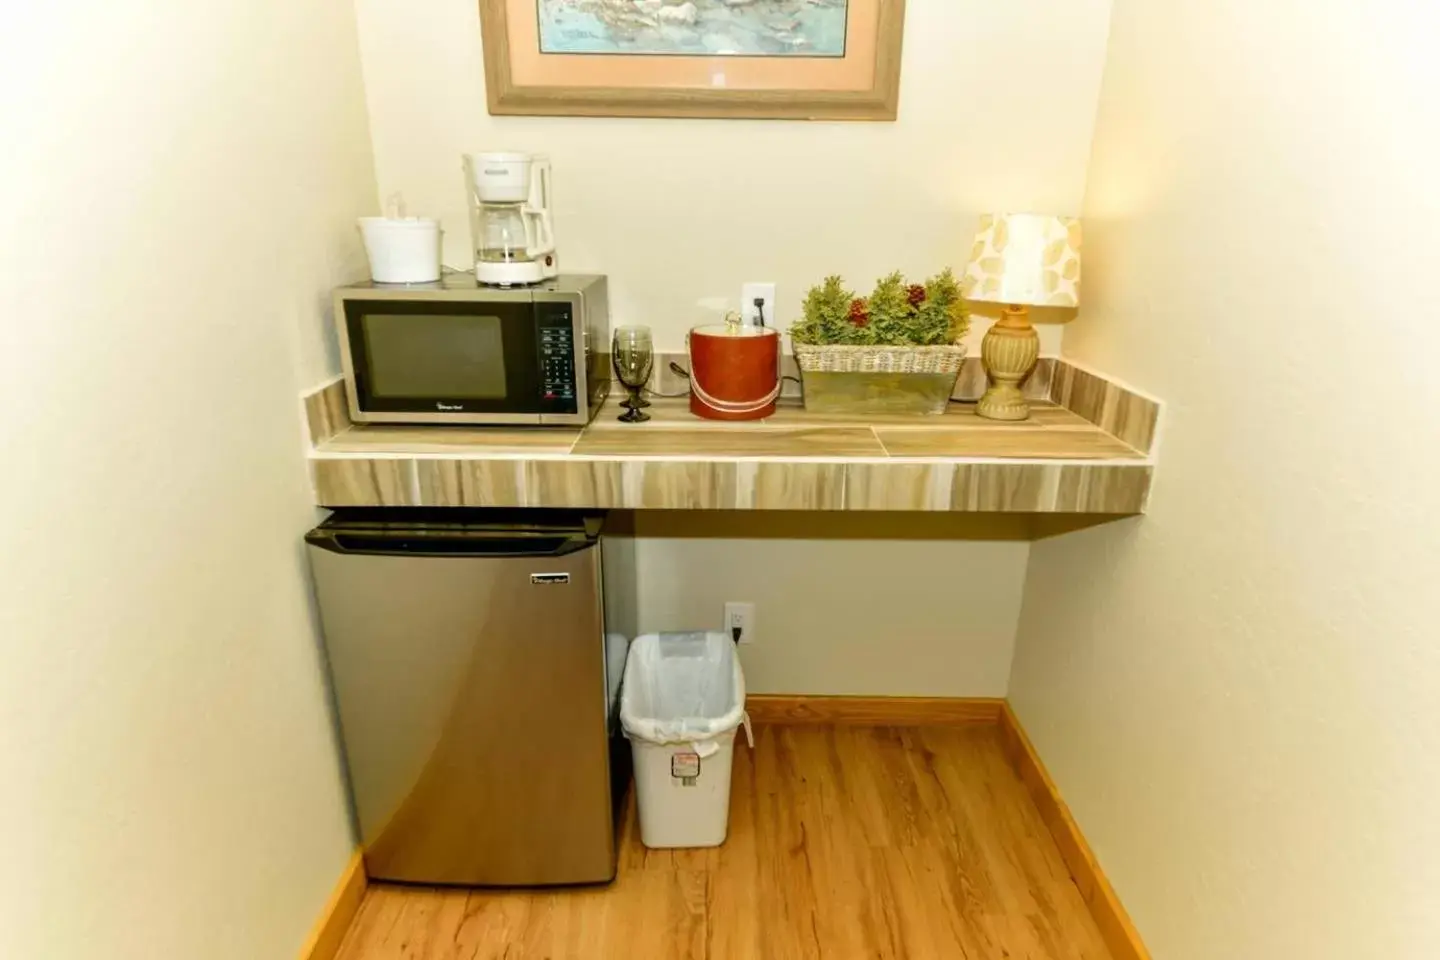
(539, 233)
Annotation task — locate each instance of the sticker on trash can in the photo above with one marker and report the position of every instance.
(685, 767)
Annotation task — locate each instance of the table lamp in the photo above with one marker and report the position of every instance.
(1020, 260)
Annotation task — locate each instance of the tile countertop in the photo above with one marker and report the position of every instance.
(1058, 461)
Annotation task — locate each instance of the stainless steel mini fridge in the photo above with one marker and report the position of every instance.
(476, 680)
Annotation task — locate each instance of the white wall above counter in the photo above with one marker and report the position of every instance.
(680, 212)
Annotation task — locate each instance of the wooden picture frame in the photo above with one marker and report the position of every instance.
(861, 84)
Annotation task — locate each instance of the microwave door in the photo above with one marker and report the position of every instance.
(445, 362)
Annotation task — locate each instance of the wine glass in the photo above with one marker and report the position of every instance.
(636, 400)
(633, 356)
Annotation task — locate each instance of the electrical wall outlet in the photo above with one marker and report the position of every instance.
(750, 313)
(740, 615)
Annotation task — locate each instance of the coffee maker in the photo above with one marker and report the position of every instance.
(510, 218)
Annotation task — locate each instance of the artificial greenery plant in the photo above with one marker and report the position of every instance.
(894, 315)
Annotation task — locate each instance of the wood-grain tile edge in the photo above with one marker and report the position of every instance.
(1105, 907)
(339, 913)
(770, 708)
(1100, 487)
(362, 482)
(327, 412)
(1127, 416)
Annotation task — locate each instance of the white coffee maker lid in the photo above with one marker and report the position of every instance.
(501, 177)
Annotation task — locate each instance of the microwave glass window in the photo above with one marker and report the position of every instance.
(433, 356)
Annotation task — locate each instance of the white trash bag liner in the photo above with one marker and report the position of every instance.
(683, 688)
(681, 703)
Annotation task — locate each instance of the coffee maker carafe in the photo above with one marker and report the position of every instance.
(510, 218)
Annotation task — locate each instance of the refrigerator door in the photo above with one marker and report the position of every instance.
(470, 679)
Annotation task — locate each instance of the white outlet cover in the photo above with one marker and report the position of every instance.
(748, 293)
(744, 613)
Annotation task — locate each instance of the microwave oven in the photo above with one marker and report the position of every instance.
(461, 353)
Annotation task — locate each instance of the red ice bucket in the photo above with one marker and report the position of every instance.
(734, 372)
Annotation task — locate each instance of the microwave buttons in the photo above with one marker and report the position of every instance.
(557, 363)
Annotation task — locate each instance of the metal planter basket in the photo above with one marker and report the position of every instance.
(872, 379)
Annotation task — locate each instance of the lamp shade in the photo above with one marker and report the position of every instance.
(1025, 258)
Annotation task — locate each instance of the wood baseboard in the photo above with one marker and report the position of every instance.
(340, 911)
(875, 711)
(1110, 917)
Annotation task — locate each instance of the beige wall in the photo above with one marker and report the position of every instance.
(1237, 693)
(682, 212)
(845, 605)
(678, 212)
(179, 191)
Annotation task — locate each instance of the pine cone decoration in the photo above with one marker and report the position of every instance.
(859, 312)
(915, 293)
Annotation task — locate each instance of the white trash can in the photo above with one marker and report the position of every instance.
(681, 703)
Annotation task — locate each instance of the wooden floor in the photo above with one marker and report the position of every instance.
(844, 842)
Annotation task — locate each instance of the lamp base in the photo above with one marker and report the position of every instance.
(1009, 350)
(1003, 401)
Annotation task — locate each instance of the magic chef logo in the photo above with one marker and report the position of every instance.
(448, 406)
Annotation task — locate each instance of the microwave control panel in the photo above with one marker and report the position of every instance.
(557, 357)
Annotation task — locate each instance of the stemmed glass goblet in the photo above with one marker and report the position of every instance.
(633, 356)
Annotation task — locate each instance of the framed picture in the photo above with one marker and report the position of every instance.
(780, 59)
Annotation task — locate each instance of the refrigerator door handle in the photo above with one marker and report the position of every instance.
(440, 545)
